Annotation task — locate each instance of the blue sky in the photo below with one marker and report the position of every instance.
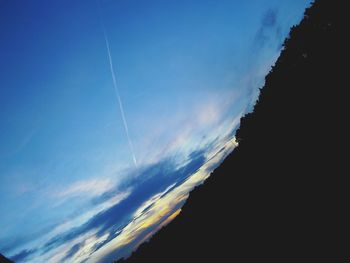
(186, 72)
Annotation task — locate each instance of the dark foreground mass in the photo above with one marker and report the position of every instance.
(280, 196)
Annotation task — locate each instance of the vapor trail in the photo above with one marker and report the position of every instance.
(121, 108)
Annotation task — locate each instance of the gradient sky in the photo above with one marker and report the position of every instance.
(186, 71)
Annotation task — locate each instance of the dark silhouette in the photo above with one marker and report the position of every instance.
(280, 196)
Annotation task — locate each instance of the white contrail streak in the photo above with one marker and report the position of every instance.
(122, 113)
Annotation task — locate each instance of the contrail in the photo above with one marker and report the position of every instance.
(121, 108)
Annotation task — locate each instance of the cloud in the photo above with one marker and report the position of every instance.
(59, 253)
(110, 218)
(103, 205)
(270, 18)
(91, 191)
(155, 212)
(185, 130)
(48, 241)
(269, 29)
(81, 251)
(200, 126)
(73, 251)
(23, 255)
(92, 187)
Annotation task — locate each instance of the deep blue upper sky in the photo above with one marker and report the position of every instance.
(186, 72)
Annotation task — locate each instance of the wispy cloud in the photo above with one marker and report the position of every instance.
(23, 255)
(269, 29)
(159, 210)
(92, 187)
(67, 226)
(123, 218)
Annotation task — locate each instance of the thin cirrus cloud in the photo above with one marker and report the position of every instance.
(92, 187)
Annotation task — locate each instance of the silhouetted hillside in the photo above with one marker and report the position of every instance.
(281, 195)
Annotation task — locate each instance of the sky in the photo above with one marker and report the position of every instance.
(111, 111)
